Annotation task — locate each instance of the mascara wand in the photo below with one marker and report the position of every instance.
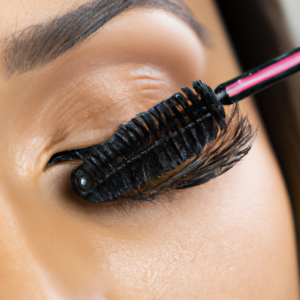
(183, 141)
(259, 78)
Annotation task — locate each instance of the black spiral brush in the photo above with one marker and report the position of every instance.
(181, 142)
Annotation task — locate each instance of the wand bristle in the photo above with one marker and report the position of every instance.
(139, 160)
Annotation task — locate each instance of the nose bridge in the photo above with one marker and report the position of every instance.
(21, 276)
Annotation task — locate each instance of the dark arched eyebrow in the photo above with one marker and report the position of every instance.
(39, 44)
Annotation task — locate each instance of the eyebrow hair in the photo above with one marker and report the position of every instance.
(39, 44)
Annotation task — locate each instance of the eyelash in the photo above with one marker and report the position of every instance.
(182, 142)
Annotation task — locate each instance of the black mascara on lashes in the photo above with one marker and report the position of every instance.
(169, 146)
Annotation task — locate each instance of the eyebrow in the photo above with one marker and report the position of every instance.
(37, 45)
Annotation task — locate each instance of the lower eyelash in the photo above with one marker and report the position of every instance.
(182, 142)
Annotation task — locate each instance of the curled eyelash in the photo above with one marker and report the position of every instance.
(181, 142)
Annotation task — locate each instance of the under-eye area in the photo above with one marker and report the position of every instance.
(181, 142)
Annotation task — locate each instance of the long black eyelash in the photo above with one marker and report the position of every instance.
(221, 155)
(181, 142)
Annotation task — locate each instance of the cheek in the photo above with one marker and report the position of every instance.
(204, 241)
(132, 250)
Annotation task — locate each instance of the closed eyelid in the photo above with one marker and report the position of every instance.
(113, 95)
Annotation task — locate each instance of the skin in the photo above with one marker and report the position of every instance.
(231, 238)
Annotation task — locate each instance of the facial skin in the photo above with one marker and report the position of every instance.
(231, 238)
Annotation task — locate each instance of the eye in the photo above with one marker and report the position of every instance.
(182, 142)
